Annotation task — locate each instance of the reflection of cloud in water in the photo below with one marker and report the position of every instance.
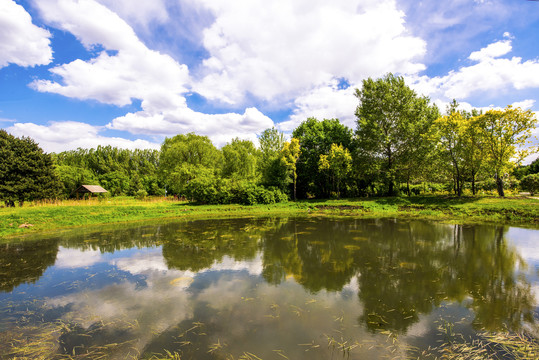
(253, 267)
(155, 308)
(74, 258)
(526, 242)
(141, 263)
(352, 286)
(161, 304)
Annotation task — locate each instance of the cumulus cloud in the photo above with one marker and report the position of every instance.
(289, 48)
(69, 135)
(21, 42)
(143, 14)
(128, 70)
(492, 51)
(132, 72)
(221, 128)
(326, 102)
(490, 74)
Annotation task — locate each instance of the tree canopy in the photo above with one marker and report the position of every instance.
(391, 119)
(26, 172)
(315, 139)
(401, 144)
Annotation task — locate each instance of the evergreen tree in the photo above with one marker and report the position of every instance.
(26, 172)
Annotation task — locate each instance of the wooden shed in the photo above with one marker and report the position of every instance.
(90, 189)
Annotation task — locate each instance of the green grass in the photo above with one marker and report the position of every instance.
(45, 217)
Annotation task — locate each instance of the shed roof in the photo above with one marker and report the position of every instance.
(90, 189)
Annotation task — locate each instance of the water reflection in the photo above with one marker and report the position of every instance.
(273, 287)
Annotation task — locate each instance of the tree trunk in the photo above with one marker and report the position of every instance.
(499, 186)
(391, 189)
(295, 177)
(473, 183)
(459, 183)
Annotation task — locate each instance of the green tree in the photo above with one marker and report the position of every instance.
(240, 160)
(449, 132)
(88, 166)
(271, 166)
(315, 138)
(505, 133)
(26, 172)
(74, 176)
(186, 156)
(339, 163)
(530, 183)
(290, 154)
(391, 119)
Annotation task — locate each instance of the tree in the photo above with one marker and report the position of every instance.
(449, 136)
(315, 138)
(338, 162)
(26, 172)
(271, 167)
(74, 176)
(186, 156)
(505, 133)
(240, 160)
(290, 154)
(391, 119)
(530, 183)
(473, 148)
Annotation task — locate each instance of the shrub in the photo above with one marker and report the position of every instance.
(530, 183)
(213, 190)
(141, 194)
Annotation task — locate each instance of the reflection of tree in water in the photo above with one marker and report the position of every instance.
(116, 238)
(317, 253)
(197, 245)
(501, 298)
(399, 267)
(402, 278)
(25, 262)
(404, 268)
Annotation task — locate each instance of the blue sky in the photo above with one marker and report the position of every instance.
(82, 73)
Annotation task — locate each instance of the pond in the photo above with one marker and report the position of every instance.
(307, 288)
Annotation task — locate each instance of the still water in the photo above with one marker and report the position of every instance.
(265, 289)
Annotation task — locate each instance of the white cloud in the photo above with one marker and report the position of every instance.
(291, 47)
(90, 22)
(221, 128)
(69, 135)
(492, 51)
(117, 79)
(134, 72)
(325, 102)
(490, 75)
(21, 42)
(143, 14)
(524, 104)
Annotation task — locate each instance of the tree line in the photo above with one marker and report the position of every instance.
(402, 144)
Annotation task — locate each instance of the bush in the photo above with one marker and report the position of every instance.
(213, 190)
(141, 194)
(530, 183)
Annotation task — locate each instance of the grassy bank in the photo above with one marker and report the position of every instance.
(39, 217)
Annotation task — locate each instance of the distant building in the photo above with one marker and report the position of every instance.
(90, 189)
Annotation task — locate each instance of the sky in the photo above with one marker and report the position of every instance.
(129, 73)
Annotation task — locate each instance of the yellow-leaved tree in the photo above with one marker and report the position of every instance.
(339, 164)
(290, 154)
(506, 134)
